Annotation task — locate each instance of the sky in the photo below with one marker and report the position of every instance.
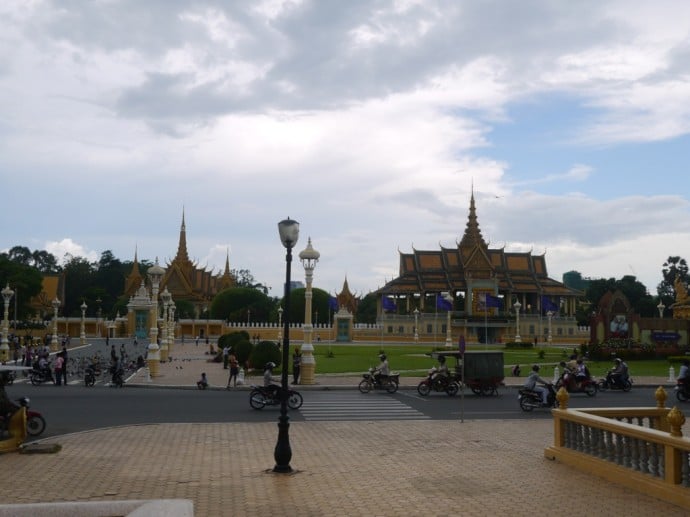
(371, 123)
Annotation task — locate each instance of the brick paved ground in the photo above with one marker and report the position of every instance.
(341, 468)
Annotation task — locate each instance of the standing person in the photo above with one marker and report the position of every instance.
(234, 369)
(64, 365)
(296, 365)
(59, 366)
(113, 354)
(226, 354)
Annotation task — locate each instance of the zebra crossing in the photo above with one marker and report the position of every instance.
(349, 406)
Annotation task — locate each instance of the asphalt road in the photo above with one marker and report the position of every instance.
(77, 408)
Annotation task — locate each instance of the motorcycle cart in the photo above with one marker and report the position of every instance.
(483, 370)
(15, 433)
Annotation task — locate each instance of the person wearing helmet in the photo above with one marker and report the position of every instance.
(383, 371)
(531, 384)
(268, 378)
(619, 374)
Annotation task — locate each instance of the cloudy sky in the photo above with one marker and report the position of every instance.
(369, 122)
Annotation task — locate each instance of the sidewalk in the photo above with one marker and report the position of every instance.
(474, 468)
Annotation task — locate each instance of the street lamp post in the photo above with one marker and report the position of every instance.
(171, 326)
(54, 341)
(517, 306)
(289, 233)
(449, 341)
(309, 257)
(165, 297)
(82, 334)
(549, 336)
(155, 273)
(416, 331)
(98, 318)
(661, 308)
(4, 346)
(280, 321)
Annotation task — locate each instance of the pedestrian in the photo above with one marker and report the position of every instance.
(64, 365)
(202, 383)
(197, 341)
(59, 366)
(296, 365)
(234, 369)
(113, 354)
(123, 353)
(226, 352)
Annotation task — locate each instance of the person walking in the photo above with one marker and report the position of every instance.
(296, 365)
(226, 358)
(64, 365)
(234, 369)
(59, 366)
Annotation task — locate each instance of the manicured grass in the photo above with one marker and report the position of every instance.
(413, 361)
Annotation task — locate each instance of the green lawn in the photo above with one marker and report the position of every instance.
(413, 361)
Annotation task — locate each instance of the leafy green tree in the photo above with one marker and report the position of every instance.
(366, 309)
(319, 305)
(24, 280)
(236, 303)
(263, 352)
(79, 277)
(672, 268)
(636, 292)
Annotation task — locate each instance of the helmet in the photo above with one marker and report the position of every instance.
(270, 366)
(382, 357)
(441, 359)
(618, 359)
(535, 367)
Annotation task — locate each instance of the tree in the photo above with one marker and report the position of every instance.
(636, 293)
(672, 268)
(236, 303)
(244, 278)
(24, 280)
(366, 309)
(79, 277)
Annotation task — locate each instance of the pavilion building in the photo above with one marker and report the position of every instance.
(492, 295)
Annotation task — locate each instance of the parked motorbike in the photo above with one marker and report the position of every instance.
(35, 423)
(261, 396)
(530, 399)
(90, 376)
(382, 382)
(588, 386)
(438, 383)
(608, 383)
(682, 391)
(38, 376)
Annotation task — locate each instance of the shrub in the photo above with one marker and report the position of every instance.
(232, 339)
(523, 344)
(243, 351)
(263, 352)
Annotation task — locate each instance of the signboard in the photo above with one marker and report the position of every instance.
(665, 336)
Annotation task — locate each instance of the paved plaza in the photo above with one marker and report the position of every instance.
(484, 467)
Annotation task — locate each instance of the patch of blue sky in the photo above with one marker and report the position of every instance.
(540, 143)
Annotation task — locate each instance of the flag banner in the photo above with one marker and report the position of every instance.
(548, 305)
(388, 304)
(461, 344)
(332, 303)
(493, 301)
(443, 304)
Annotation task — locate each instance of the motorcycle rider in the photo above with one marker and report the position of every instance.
(684, 373)
(619, 374)
(44, 367)
(442, 374)
(531, 384)
(581, 372)
(271, 388)
(383, 371)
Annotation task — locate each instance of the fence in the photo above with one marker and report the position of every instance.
(641, 448)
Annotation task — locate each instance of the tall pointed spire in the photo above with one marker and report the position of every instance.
(227, 263)
(182, 255)
(473, 235)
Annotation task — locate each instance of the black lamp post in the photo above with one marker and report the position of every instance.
(289, 233)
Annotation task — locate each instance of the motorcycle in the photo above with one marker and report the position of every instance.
(35, 423)
(587, 386)
(382, 382)
(38, 376)
(609, 384)
(261, 396)
(530, 399)
(90, 376)
(118, 378)
(682, 391)
(437, 383)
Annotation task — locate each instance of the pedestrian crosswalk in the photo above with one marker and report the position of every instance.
(356, 406)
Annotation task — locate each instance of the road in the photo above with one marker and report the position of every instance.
(77, 408)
